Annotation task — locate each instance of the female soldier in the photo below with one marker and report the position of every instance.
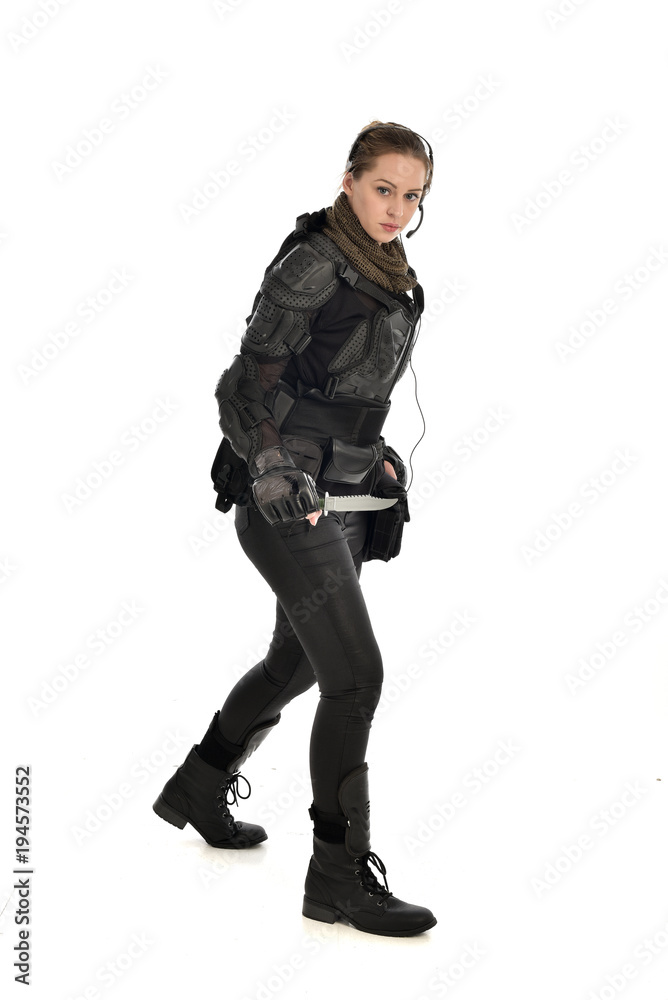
(301, 408)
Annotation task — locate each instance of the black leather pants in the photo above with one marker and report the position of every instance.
(322, 633)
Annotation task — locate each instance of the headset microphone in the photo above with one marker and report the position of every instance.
(408, 235)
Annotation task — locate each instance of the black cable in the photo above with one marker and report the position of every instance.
(424, 423)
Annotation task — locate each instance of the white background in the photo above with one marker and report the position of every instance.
(511, 96)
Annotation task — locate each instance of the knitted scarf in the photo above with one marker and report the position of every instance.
(385, 264)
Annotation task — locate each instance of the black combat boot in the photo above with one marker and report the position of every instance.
(339, 883)
(198, 792)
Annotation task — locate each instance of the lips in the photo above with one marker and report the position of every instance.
(388, 225)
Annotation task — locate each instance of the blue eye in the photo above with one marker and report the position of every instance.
(411, 194)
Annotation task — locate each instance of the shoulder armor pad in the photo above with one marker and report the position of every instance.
(304, 279)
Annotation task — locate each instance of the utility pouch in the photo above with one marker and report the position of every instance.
(229, 473)
(348, 463)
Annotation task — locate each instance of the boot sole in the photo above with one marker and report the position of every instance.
(329, 915)
(170, 815)
(166, 812)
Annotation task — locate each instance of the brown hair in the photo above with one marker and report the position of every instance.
(388, 139)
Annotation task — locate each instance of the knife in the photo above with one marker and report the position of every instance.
(360, 502)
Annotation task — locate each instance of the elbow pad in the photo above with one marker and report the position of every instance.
(242, 404)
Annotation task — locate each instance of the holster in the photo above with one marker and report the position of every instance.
(230, 478)
(386, 527)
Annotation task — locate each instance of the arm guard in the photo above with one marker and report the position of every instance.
(292, 291)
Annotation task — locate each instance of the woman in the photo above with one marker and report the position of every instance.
(302, 407)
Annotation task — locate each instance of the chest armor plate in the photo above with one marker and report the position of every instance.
(374, 357)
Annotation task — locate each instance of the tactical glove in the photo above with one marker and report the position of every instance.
(281, 491)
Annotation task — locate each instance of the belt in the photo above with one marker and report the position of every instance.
(313, 415)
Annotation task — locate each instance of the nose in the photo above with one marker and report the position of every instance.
(396, 208)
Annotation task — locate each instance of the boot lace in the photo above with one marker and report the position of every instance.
(223, 796)
(370, 880)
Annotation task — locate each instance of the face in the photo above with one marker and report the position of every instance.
(386, 197)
